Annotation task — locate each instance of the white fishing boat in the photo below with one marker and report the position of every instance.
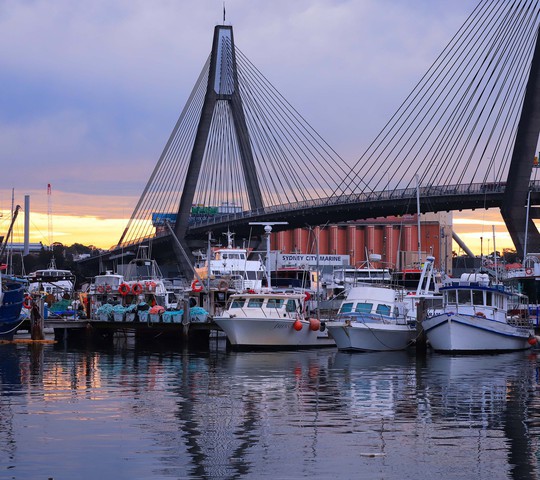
(372, 318)
(53, 281)
(376, 317)
(139, 291)
(271, 319)
(229, 269)
(480, 316)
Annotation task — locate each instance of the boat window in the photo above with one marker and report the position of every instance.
(383, 309)
(255, 302)
(489, 298)
(435, 303)
(464, 297)
(363, 307)
(478, 297)
(451, 296)
(291, 306)
(238, 303)
(275, 303)
(346, 307)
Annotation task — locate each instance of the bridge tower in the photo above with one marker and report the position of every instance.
(513, 209)
(222, 87)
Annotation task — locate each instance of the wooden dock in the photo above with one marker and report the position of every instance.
(66, 328)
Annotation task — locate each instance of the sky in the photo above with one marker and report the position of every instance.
(90, 91)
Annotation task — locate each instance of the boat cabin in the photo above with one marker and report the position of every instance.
(474, 294)
(366, 301)
(265, 305)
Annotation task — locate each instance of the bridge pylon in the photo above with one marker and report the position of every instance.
(222, 87)
(513, 209)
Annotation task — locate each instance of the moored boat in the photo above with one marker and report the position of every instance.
(480, 316)
(271, 319)
(11, 304)
(372, 318)
(56, 282)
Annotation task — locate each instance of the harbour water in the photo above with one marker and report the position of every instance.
(131, 413)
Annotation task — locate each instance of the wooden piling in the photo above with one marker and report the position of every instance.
(36, 320)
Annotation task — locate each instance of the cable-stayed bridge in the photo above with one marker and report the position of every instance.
(465, 137)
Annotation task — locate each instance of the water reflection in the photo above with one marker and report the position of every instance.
(219, 414)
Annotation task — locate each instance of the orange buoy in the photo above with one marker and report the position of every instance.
(314, 324)
(532, 341)
(297, 325)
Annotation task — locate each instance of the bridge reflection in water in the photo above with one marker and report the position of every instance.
(219, 414)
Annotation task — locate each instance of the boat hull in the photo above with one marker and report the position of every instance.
(10, 310)
(469, 333)
(371, 336)
(271, 333)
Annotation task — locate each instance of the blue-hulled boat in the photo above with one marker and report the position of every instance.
(11, 304)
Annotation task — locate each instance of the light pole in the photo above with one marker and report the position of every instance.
(268, 231)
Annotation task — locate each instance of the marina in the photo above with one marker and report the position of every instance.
(256, 304)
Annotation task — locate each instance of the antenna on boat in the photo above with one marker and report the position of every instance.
(268, 231)
(230, 236)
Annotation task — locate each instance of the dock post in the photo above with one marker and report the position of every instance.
(36, 320)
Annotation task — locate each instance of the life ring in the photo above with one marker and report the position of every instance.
(196, 286)
(137, 289)
(124, 289)
(150, 286)
(108, 288)
(529, 271)
(27, 302)
(100, 289)
(223, 286)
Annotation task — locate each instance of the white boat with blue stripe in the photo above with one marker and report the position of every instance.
(480, 316)
(372, 318)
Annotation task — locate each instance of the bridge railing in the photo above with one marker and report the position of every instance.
(431, 190)
(362, 197)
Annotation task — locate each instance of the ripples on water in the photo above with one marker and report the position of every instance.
(127, 413)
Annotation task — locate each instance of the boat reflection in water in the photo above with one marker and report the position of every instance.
(290, 414)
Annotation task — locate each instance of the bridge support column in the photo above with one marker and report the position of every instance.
(513, 210)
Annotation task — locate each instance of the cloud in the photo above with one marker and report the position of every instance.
(91, 90)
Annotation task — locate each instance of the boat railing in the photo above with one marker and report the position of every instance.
(371, 317)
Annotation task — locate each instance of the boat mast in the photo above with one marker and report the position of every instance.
(13, 218)
(495, 252)
(526, 226)
(418, 218)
